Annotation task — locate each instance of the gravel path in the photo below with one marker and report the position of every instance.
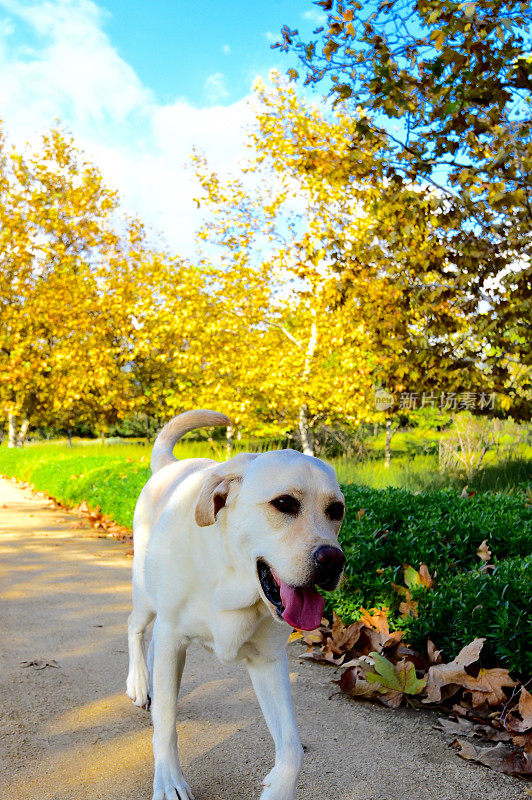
(70, 733)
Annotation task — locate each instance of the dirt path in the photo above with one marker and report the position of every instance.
(70, 733)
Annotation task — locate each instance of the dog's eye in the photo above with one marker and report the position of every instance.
(287, 504)
(335, 511)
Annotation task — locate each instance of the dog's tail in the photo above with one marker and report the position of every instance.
(162, 453)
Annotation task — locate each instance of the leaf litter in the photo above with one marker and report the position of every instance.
(489, 713)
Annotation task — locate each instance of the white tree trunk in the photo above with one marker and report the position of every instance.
(304, 432)
(23, 432)
(390, 431)
(12, 425)
(388, 444)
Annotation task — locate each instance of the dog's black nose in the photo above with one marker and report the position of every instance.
(329, 562)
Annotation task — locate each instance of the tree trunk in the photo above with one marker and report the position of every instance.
(12, 425)
(23, 432)
(229, 431)
(388, 444)
(69, 436)
(304, 432)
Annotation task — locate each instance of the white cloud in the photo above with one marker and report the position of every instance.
(271, 37)
(226, 50)
(316, 17)
(215, 88)
(142, 147)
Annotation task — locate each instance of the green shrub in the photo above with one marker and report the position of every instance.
(496, 605)
(444, 531)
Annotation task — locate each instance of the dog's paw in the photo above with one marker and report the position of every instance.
(280, 783)
(137, 686)
(169, 783)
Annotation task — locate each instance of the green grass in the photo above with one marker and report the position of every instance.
(419, 473)
(412, 514)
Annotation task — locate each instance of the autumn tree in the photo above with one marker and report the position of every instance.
(442, 92)
(361, 293)
(159, 310)
(56, 349)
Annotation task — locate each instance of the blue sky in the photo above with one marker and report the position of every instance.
(139, 84)
(175, 46)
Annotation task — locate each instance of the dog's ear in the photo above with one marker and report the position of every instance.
(215, 491)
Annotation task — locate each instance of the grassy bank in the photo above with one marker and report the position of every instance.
(402, 515)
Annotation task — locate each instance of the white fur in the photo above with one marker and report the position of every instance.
(199, 583)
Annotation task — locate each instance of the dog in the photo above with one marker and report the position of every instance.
(229, 554)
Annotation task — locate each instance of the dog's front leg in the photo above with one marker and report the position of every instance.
(168, 662)
(272, 686)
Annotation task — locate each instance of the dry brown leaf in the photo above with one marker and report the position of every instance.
(451, 676)
(468, 727)
(323, 656)
(426, 578)
(458, 727)
(392, 699)
(344, 637)
(525, 710)
(317, 636)
(353, 683)
(483, 552)
(434, 655)
(40, 663)
(408, 607)
(488, 686)
(499, 758)
(361, 512)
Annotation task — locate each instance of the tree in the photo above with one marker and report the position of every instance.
(358, 287)
(442, 91)
(55, 345)
(157, 304)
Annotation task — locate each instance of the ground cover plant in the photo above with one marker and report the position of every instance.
(387, 529)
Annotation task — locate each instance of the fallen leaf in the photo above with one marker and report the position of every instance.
(354, 684)
(377, 620)
(343, 638)
(433, 654)
(483, 552)
(451, 676)
(487, 687)
(498, 758)
(294, 636)
(469, 728)
(400, 677)
(40, 663)
(414, 579)
(525, 710)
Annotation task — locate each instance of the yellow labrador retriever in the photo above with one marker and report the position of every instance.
(229, 554)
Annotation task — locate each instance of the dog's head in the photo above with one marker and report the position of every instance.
(283, 511)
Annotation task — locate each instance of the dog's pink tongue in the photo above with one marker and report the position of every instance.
(303, 606)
